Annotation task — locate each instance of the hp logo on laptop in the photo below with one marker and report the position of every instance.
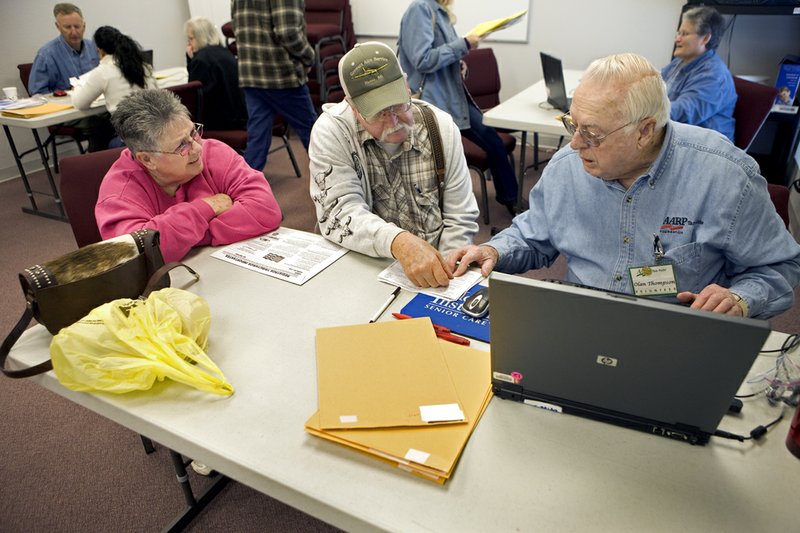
(606, 360)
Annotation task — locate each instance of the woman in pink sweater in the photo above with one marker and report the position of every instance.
(193, 191)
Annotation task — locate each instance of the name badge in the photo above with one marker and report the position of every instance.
(653, 280)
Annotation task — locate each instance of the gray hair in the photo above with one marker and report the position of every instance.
(706, 20)
(65, 8)
(643, 91)
(204, 31)
(142, 117)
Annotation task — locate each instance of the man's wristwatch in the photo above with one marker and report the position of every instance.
(740, 302)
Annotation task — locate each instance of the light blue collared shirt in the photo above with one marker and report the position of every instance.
(702, 93)
(56, 62)
(702, 196)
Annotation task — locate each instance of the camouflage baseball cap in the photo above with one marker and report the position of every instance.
(372, 78)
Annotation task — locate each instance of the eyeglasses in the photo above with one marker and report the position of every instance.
(683, 34)
(185, 147)
(592, 138)
(393, 110)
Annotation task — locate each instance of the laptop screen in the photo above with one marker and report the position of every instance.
(554, 82)
(616, 357)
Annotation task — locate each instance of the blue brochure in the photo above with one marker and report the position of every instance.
(448, 313)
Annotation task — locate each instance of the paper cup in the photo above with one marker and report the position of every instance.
(10, 92)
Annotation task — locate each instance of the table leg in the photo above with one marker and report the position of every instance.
(21, 169)
(193, 505)
(34, 209)
(53, 188)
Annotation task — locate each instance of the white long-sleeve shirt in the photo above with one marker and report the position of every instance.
(105, 79)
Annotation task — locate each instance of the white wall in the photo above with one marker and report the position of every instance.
(25, 26)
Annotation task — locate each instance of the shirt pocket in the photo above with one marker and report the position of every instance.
(382, 201)
(430, 216)
(688, 263)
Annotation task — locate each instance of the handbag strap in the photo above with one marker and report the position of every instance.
(438, 152)
(27, 316)
(11, 339)
(154, 283)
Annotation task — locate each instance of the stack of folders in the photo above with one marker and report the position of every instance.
(36, 111)
(394, 391)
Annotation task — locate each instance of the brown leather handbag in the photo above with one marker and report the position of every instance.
(58, 293)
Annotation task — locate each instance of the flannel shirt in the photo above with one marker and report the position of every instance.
(271, 41)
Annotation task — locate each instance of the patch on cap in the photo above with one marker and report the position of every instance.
(372, 78)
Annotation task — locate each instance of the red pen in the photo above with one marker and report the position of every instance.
(441, 331)
(453, 338)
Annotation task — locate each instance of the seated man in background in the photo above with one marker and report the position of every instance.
(194, 192)
(374, 182)
(67, 56)
(699, 84)
(635, 196)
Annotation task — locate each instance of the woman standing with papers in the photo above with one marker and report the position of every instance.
(430, 52)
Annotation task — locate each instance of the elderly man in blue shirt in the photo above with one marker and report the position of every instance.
(636, 197)
(68, 55)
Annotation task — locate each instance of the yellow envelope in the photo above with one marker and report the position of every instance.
(430, 452)
(485, 28)
(36, 111)
(383, 375)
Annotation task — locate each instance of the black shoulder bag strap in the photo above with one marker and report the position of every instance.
(436, 145)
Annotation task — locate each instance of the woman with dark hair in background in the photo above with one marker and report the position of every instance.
(211, 63)
(121, 71)
(699, 84)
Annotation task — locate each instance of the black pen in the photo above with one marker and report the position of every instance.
(385, 305)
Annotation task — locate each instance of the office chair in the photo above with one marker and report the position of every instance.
(81, 176)
(753, 104)
(192, 97)
(230, 37)
(483, 84)
(327, 31)
(58, 130)
(779, 194)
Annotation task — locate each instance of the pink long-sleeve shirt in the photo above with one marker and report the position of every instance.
(129, 199)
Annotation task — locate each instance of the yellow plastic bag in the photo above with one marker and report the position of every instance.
(127, 345)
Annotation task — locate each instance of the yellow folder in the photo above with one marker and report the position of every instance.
(485, 28)
(382, 375)
(36, 111)
(430, 452)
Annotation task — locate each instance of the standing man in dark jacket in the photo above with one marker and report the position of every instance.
(274, 57)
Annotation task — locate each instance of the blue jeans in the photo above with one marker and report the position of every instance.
(505, 182)
(262, 105)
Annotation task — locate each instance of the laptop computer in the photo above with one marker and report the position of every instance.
(640, 363)
(554, 82)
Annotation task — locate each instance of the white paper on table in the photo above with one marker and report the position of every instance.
(288, 254)
(394, 275)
